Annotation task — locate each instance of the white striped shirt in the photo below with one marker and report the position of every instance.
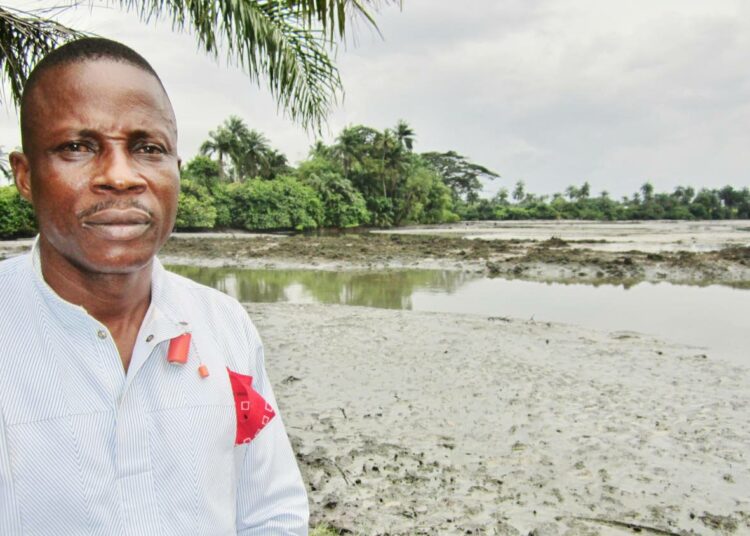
(86, 449)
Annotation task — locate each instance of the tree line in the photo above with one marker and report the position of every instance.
(366, 177)
(577, 202)
(371, 177)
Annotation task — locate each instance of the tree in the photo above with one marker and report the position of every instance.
(459, 174)
(16, 214)
(220, 143)
(585, 191)
(647, 190)
(248, 150)
(285, 43)
(519, 191)
(203, 171)
(276, 164)
(195, 208)
(252, 154)
(4, 166)
(283, 203)
(343, 205)
(405, 135)
(501, 197)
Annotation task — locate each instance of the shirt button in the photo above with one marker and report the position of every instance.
(149, 338)
(101, 334)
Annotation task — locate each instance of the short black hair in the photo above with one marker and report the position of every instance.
(80, 50)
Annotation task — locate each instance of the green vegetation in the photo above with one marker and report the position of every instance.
(16, 215)
(684, 203)
(365, 178)
(374, 178)
(324, 530)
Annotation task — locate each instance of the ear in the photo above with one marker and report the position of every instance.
(21, 174)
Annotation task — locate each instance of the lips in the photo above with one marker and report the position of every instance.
(118, 224)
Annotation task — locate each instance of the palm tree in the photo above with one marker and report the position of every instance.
(237, 131)
(405, 134)
(253, 154)
(220, 143)
(647, 189)
(284, 42)
(4, 166)
(276, 164)
(350, 145)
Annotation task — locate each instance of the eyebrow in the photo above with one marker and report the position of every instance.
(138, 134)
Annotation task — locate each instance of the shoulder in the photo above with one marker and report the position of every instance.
(219, 320)
(12, 272)
(184, 289)
(10, 267)
(16, 294)
(206, 304)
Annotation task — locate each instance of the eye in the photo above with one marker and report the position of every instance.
(149, 148)
(75, 147)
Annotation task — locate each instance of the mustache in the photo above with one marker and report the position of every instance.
(116, 204)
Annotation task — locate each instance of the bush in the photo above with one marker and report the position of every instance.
(16, 214)
(224, 204)
(203, 171)
(343, 205)
(195, 208)
(282, 203)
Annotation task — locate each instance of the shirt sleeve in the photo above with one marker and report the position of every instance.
(271, 497)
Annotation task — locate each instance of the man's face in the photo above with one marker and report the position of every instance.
(100, 165)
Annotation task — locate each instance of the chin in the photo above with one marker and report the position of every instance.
(124, 262)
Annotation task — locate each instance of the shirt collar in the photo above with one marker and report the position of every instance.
(160, 318)
(66, 313)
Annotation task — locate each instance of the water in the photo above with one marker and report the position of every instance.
(714, 317)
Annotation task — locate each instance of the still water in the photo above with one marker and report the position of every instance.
(714, 317)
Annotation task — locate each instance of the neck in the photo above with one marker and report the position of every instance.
(117, 300)
(111, 298)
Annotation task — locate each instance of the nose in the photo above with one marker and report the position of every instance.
(117, 174)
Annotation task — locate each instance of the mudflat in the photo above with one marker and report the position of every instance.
(428, 423)
(678, 252)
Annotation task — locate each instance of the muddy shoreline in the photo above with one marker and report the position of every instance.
(412, 423)
(554, 259)
(696, 253)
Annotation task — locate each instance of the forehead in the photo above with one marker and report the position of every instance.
(98, 94)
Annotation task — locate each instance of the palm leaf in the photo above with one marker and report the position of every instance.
(25, 37)
(285, 42)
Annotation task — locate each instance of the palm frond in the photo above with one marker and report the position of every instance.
(284, 42)
(287, 43)
(25, 37)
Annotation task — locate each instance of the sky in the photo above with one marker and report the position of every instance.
(551, 92)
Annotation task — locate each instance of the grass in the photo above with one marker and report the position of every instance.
(324, 530)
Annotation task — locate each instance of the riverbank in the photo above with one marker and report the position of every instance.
(538, 253)
(427, 423)
(697, 253)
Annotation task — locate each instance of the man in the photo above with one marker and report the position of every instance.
(132, 401)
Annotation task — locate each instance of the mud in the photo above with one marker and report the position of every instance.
(552, 259)
(409, 423)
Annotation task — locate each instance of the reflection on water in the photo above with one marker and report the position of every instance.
(388, 290)
(714, 317)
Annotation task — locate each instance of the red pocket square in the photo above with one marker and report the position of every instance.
(253, 412)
